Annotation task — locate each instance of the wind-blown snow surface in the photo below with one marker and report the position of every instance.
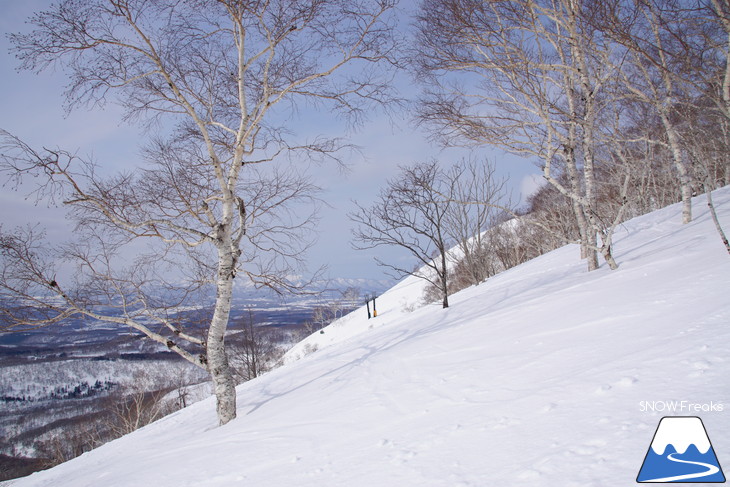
(536, 377)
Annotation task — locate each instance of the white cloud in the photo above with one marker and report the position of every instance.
(530, 184)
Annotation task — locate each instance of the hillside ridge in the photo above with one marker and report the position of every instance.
(534, 377)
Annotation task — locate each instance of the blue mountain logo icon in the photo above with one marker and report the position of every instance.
(681, 452)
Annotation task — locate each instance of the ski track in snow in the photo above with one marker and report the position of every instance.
(533, 378)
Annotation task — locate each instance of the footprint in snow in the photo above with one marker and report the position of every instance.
(627, 381)
(549, 407)
(701, 365)
(505, 422)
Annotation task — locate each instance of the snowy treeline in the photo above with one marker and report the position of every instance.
(460, 227)
(81, 390)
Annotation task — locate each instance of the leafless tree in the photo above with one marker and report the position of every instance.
(349, 299)
(253, 350)
(329, 308)
(657, 46)
(411, 213)
(60, 448)
(211, 200)
(135, 406)
(554, 211)
(720, 94)
(183, 377)
(713, 22)
(677, 67)
(708, 147)
(479, 196)
(532, 77)
(653, 183)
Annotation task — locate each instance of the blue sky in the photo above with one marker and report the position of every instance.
(31, 108)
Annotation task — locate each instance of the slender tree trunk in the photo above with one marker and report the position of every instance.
(608, 257)
(589, 180)
(444, 279)
(218, 367)
(715, 220)
(672, 135)
(587, 234)
(684, 178)
(591, 245)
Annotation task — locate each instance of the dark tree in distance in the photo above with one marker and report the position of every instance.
(411, 212)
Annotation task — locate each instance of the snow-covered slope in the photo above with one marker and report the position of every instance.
(542, 376)
(403, 298)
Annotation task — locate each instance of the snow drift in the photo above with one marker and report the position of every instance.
(533, 378)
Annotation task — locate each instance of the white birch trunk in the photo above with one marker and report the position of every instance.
(587, 234)
(684, 178)
(672, 135)
(218, 367)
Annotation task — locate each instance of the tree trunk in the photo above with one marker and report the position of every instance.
(444, 278)
(684, 177)
(608, 257)
(587, 234)
(220, 372)
(590, 247)
(588, 176)
(715, 220)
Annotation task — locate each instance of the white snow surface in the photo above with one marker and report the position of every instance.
(535, 377)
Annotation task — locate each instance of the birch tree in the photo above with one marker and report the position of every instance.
(658, 48)
(531, 77)
(676, 68)
(716, 15)
(211, 199)
(720, 16)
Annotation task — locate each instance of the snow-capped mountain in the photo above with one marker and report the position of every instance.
(533, 378)
(680, 432)
(681, 451)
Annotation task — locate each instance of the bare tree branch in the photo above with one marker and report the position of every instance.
(211, 199)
